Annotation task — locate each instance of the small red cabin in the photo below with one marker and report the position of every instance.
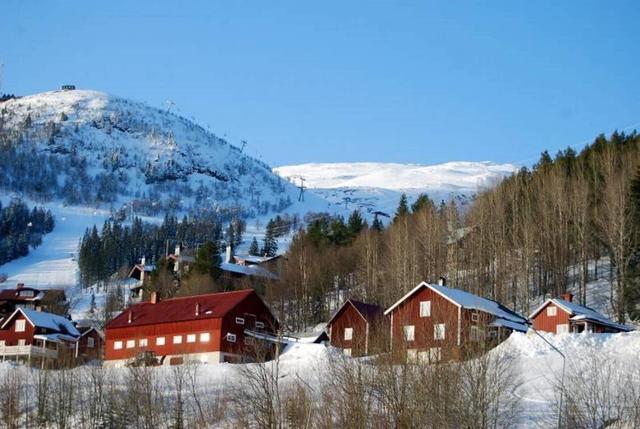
(90, 344)
(432, 321)
(209, 328)
(355, 325)
(562, 315)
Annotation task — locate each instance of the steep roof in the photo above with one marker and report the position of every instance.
(49, 321)
(369, 312)
(470, 301)
(248, 270)
(14, 294)
(581, 312)
(210, 306)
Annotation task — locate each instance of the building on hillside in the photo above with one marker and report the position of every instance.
(562, 315)
(356, 326)
(181, 259)
(434, 322)
(38, 337)
(236, 268)
(140, 272)
(90, 344)
(48, 300)
(211, 328)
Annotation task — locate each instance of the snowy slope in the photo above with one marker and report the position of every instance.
(377, 186)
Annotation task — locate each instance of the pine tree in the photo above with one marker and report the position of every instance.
(208, 259)
(421, 202)
(254, 248)
(355, 224)
(403, 207)
(92, 308)
(377, 224)
(270, 244)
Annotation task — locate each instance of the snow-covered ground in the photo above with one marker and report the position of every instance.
(375, 186)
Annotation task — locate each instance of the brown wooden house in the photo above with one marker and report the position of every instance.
(356, 326)
(211, 328)
(562, 315)
(434, 322)
(90, 344)
(48, 300)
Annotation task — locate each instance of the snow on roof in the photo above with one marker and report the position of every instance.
(466, 300)
(502, 323)
(248, 270)
(255, 259)
(56, 323)
(56, 338)
(581, 312)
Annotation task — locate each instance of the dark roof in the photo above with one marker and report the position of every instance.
(210, 306)
(46, 295)
(370, 312)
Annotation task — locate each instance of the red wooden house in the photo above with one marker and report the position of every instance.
(49, 300)
(90, 344)
(434, 322)
(30, 335)
(561, 315)
(355, 326)
(211, 328)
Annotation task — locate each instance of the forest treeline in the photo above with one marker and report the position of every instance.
(534, 234)
(21, 228)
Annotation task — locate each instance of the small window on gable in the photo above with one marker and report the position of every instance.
(231, 337)
(20, 325)
(259, 325)
(409, 332)
(439, 331)
(240, 320)
(348, 334)
(425, 308)
(475, 317)
(90, 343)
(552, 310)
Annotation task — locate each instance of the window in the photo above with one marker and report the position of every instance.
(348, 334)
(90, 343)
(475, 317)
(347, 352)
(20, 325)
(143, 342)
(562, 329)
(2, 343)
(425, 308)
(409, 332)
(476, 334)
(435, 354)
(191, 338)
(27, 293)
(412, 355)
(177, 339)
(552, 310)
(117, 345)
(240, 320)
(22, 342)
(259, 325)
(131, 344)
(205, 337)
(231, 337)
(160, 341)
(439, 331)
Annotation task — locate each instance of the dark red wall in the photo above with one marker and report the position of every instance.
(11, 337)
(348, 317)
(543, 322)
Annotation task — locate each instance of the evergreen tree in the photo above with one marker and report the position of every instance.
(355, 224)
(254, 248)
(270, 244)
(421, 202)
(403, 207)
(377, 224)
(208, 260)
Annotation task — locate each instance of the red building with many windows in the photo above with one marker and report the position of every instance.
(209, 328)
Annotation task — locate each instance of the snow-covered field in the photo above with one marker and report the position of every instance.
(377, 186)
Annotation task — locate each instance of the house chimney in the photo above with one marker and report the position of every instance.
(130, 316)
(227, 258)
(567, 296)
(177, 251)
(197, 309)
(442, 281)
(19, 285)
(143, 260)
(154, 297)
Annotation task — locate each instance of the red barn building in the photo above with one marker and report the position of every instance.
(30, 335)
(209, 328)
(434, 322)
(562, 315)
(355, 326)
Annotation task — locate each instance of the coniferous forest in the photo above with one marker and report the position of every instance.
(21, 228)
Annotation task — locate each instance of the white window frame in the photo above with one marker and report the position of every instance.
(160, 341)
(143, 342)
(476, 334)
(177, 339)
(2, 343)
(205, 337)
(348, 334)
(117, 345)
(439, 331)
(435, 354)
(259, 325)
(191, 338)
(231, 337)
(412, 355)
(562, 328)
(239, 320)
(347, 352)
(91, 342)
(552, 311)
(409, 332)
(21, 325)
(131, 344)
(22, 342)
(475, 317)
(425, 308)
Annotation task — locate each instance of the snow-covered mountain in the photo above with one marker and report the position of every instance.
(377, 186)
(91, 148)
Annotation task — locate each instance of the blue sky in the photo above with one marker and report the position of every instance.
(419, 82)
